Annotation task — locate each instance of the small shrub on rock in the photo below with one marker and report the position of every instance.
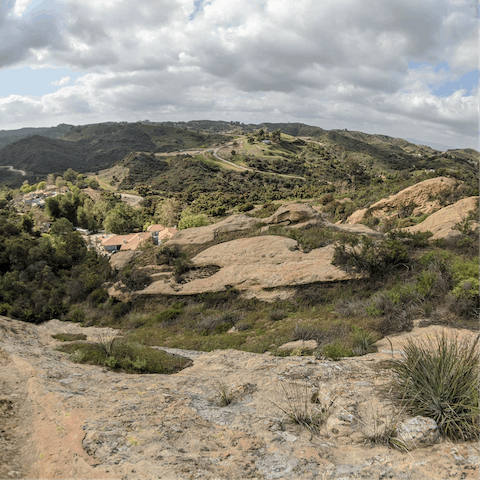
(69, 337)
(130, 357)
(439, 378)
(363, 341)
(335, 351)
(302, 407)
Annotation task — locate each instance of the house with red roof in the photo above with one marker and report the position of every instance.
(132, 241)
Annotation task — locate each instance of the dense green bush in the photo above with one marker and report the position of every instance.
(170, 314)
(335, 351)
(98, 297)
(465, 276)
(378, 257)
(188, 220)
(40, 277)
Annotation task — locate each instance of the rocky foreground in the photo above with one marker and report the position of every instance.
(60, 419)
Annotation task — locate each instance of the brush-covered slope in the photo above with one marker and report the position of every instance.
(96, 147)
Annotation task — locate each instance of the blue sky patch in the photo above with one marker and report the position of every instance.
(467, 81)
(198, 5)
(27, 81)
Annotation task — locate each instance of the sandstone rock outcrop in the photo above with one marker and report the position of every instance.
(296, 214)
(442, 222)
(76, 421)
(201, 235)
(256, 263)
(303, 215)
(424, 195)
(121, 259)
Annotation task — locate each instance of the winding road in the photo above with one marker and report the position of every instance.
(9, 167)
(215, 154)
(215, 151)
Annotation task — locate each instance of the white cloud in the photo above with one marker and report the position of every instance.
(62, 82)
(334, 64)
(19, 7)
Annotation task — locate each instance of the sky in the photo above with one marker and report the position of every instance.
(404, 68)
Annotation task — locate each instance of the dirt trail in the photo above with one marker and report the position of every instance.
(67, 420)
(9, 167)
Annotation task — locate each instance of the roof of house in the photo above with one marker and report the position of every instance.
(155, 228)
(117, 239)
(167, 233)
(136, 241)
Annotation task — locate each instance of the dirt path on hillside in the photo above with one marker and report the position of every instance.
(9, 167)
(250, 169)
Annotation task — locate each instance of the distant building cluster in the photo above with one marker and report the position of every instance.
(38, 197)
(132, 241)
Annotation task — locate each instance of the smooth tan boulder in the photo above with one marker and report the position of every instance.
(425, 195)
(256, 263)
(120, 260)
(201, 235)
(295, 214)
(442, 222)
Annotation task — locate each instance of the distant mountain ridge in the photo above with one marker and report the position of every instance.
(94, 147)
(11, 136)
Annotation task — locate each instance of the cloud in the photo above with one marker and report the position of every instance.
(19, 7)
(62, 82)
(21, 35)
(335, 64)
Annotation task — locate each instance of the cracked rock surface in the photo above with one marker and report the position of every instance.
(65, 420)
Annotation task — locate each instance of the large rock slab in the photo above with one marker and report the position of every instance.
(303, 215)
(256, 263)
(296, 214)
(77, 421)
(201, 235)
(442, 222)
(121, 259)
(425, 195)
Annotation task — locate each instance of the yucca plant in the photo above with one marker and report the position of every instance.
(300, 408)
(439, 378)
(225, 395)
(363, 340)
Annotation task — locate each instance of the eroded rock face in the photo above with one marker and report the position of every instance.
(296, 214)
(424, 195)
(256, 263)
(121, 259)
(201, 235)
(442, 222)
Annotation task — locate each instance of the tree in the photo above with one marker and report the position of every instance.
(121, 219)
(70, 175)
(52, 208)
(61, 227)
(87, 217)
(92, 183)
(60, 182)
(276, 135)
(168, 212)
